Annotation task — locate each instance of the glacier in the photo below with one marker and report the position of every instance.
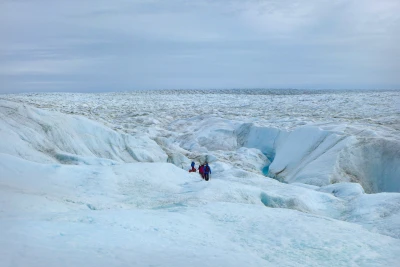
(101, 179)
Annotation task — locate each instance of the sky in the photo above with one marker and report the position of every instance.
(120, 45)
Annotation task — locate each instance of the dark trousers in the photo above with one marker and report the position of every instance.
(206, 176)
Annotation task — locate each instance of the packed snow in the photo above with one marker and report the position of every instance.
(298, 178)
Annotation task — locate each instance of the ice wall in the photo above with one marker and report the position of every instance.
(372, 162)
(319, 157)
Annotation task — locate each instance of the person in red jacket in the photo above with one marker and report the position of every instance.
(193, 169)
(201, 170)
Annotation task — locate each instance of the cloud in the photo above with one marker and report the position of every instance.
(124, 45)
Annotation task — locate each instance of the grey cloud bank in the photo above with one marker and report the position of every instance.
(94, 46)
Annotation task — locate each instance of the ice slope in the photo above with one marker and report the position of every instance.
(49, 137)
(135, 214)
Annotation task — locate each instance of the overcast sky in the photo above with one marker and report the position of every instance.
(97, 46)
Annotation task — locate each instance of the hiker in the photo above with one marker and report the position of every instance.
(193, 169)
(207, 172)
(201, 170)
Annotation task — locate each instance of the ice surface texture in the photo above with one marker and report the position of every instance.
(99, 191)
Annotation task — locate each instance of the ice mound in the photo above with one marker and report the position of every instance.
(49, 137)
(131, 185)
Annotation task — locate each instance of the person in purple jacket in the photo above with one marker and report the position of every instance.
(207, 172)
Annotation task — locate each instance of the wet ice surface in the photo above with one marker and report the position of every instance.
(99, 192)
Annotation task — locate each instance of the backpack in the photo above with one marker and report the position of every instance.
(207, 169)
(201, 169)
